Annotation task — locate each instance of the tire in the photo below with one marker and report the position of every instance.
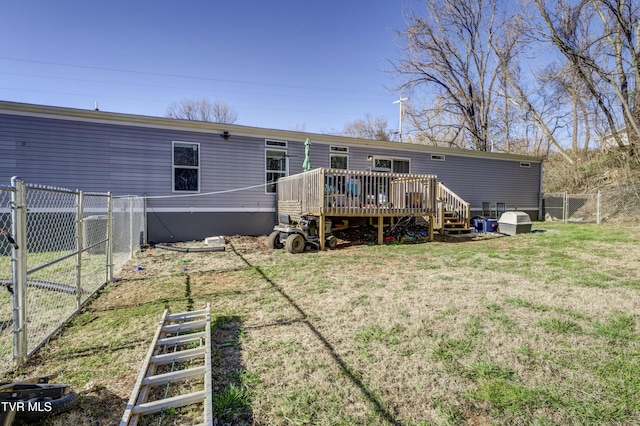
(274, 240)
(295, 243)
(55, 407)
(332, 242)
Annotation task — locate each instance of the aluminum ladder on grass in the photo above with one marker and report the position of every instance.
(175, 332)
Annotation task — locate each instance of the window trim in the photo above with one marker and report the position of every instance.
(174, 166)
(276, 143)
(380, 157)
(339, 148)
(338, 151)
(408, 160)
(286, 166)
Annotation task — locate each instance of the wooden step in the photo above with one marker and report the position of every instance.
(455, 225)
(458, 231)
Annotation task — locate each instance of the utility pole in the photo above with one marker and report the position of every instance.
(399, 101)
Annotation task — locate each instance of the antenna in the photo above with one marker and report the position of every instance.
(399, 101)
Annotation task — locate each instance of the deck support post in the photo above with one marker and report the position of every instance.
(321, 235)
(380, 230)
(431, 220)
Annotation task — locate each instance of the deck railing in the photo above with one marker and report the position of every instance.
(334, 192)
(450, 202)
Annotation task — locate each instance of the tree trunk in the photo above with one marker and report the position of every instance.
(574, 136)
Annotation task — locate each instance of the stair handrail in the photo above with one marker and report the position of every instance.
(452, 202)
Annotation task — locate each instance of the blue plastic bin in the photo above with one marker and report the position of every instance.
(490, 225)
(478, 224)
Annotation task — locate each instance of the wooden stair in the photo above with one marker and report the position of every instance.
(454, 214)
(452, 224)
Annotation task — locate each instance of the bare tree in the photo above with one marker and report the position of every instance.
(450, 54)
(433, 126)
(507, 115)
(568, 89)
(201, 109)
(368, 128)
(507, 51)
(599, 38)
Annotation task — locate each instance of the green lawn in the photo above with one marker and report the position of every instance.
(538, 328)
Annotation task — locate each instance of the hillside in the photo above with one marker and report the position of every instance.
(613, 177)
(599, 170)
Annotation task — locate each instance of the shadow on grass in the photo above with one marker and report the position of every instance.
(231, 397)
(378, 406)
(67, 355)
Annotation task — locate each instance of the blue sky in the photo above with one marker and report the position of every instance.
(294, 65)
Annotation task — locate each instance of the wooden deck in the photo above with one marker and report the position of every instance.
(332, 192)
(327, 193)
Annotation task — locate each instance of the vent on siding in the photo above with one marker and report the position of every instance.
(437, 157)
(525, 165)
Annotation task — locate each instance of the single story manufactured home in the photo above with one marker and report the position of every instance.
(204, 179)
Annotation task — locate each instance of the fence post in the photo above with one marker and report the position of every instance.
(109, 237)
(19, 269)
(145, 228)
(79, 245)
(598, 199)
(131, 227)
(565, 207)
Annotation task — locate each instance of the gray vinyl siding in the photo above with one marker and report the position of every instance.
(73, 154)
(134, 161)
(482, 179)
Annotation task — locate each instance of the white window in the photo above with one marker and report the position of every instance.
(396, 165)
(525, 165)
(186, 167)
(400, 165)
(338, 157)
(383, 163)
(275, 168)
(437, 157)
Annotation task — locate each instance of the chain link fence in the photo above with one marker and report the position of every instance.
(129, 224)
(613, 206)
(6, 300)
(58, 248)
